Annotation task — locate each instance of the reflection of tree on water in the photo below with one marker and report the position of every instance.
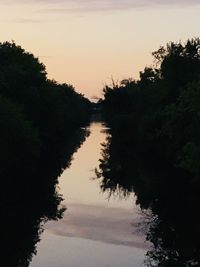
(172, 220)
(29, 202)
(21, 228)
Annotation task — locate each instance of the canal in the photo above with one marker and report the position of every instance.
(96, 230)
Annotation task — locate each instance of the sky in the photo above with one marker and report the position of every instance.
(87, 43)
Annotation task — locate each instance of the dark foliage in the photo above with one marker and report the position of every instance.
(154, 150)
(40, 129)
(159, 113)
(37, 116)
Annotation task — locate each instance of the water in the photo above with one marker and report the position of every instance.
(96, 231)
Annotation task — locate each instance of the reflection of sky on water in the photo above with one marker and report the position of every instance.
(109, 225)
(77, 184)
(95, 231)
(76, 252)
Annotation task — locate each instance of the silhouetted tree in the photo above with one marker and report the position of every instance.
(40, 129)
(154, 150)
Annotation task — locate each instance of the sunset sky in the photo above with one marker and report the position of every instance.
(86, 42)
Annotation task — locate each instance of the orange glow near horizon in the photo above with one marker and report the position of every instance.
(87, 43)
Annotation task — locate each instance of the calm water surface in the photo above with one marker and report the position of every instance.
(95, 231)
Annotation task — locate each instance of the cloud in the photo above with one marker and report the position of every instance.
(106, 224)
(27, 21)
(88, 6)
(101, 5)
(40, 8)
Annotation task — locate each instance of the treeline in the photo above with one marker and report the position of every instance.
(153, 150)
(38, 116)
(160, 113)
(41, 126)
